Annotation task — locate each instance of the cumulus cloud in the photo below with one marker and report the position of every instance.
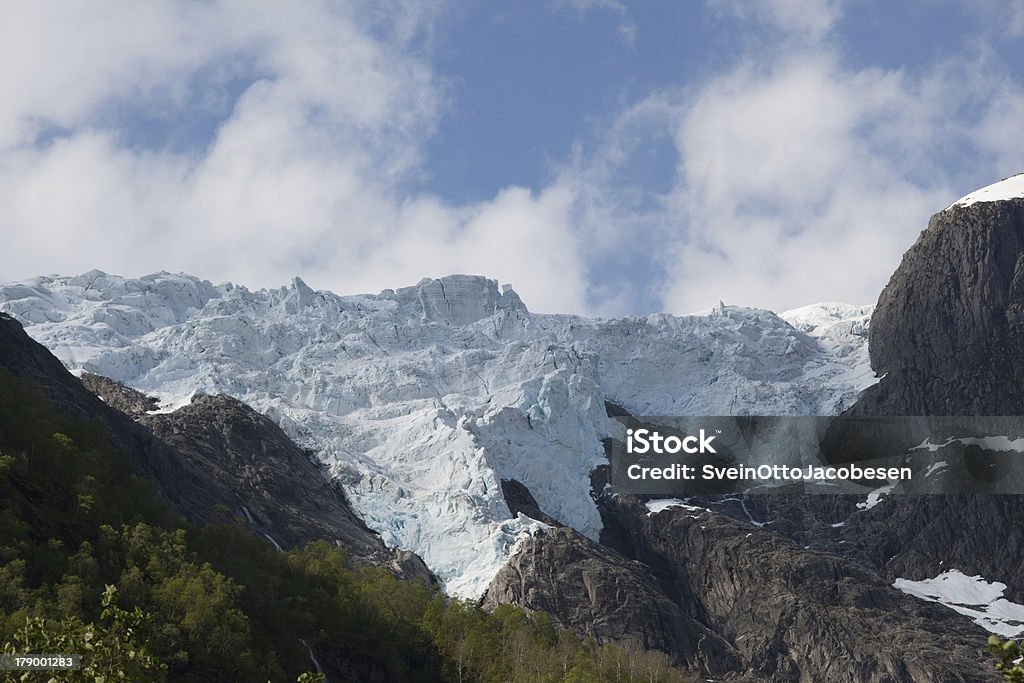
(799, 177)
(787, 175)
(307, 168)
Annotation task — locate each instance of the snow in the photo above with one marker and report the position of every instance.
(656, 506)
(875, 497)
(171, 405)
(1007, 188)
(746, 511)
(996, 443)
(420, 400)
(842, 329)
(972, 596)
(989, 443)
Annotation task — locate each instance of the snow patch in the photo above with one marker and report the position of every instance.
(989, 443)
(1007, 188)
(875, 497)
(972, 596)
(171, 404)
(656, 506)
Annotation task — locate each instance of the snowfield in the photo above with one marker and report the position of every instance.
(972, 596)
(1007, 188)
(421, 400)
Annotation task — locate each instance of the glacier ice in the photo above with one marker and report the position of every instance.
(422, 399)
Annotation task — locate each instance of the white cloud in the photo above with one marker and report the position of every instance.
(787, 177)
(307, 172)
(796, 179)
(800, 178)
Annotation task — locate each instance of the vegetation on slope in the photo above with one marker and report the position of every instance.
(92, 563)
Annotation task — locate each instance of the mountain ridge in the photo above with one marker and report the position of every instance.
(422, 399)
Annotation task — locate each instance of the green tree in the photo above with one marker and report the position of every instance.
(1008, 654)
(111, 649)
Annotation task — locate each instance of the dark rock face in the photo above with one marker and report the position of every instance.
(607, 597)
(519, 499)
(216, 461)
(132, 403)
(275, 487)
(948, 331)
(948, 334)
(728, 599)
(794, 614)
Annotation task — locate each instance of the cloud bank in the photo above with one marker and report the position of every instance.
(252, 142)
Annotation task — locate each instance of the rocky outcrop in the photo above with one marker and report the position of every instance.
(948, 330)
(729, 600)
(794, 614)
(132, 403)
(276, 488)
(607, 597)
(948, 336)
(520, 500)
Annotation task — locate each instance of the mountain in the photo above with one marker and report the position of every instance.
(946, 339)
(422, 400)
(449, 421)
(948, 336)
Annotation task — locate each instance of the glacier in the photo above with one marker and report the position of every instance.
(421, 400)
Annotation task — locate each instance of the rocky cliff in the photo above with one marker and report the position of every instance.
(737, 600)
(948, 331)
(948, 336)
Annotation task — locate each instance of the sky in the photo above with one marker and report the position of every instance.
(602, 157)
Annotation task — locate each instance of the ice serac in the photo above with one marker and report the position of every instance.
(423, 400)
(458, 299)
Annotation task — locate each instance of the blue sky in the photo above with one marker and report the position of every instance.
(603, 157)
